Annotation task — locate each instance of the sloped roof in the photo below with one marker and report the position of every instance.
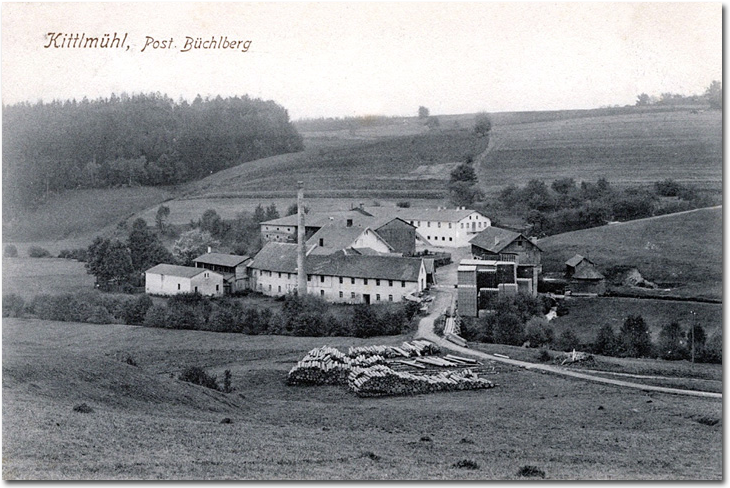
(174, 270)
(429, 214)
(336, 238)
(575, 261)
(230, 260)
(587, 273)
(276, 256)
(282, 257)
(338, 218)
(494, 239)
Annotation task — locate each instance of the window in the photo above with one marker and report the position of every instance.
(451, 238)
(321, 293)
(377, 297)
(321, 242)
(402, 284)
(428, 237)
(390, 282)
(439, 226)
(443, 238)
(178, 286)
(462, 225)
(352, 295)
(269, 287)
(377, 282)
(288, 276)
(279, 288)
(321, 279)
(364, 281)
(196, 289)
(341, 280)
(267, 236)
(309, 277)
(449, 225)
(428, 224)
(277, 228)
(390, 298)
(340, 294)
(216, 287)
(352, 281)
(519, 243)
(279, 275)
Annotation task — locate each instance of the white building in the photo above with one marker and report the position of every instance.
(441, 226)
(169, 279)
(232, 267)
(337, 277)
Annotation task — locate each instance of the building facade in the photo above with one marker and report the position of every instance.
(338, 278)
(234, 269)
(169, 279)
(481, 282)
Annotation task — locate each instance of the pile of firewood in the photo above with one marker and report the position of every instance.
(380, 380)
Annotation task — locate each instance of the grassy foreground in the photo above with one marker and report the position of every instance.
(148, 425)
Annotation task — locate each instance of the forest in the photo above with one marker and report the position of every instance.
(142, 139)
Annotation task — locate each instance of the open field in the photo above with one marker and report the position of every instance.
(682, 252)
(625, 148)
(29, 277)
(146, 425)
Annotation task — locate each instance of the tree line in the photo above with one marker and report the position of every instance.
(144, 139)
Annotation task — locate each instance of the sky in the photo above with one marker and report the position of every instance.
(350, 59)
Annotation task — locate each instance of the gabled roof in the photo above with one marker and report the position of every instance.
(230, 260)
(174, 270)
(427, 214)
(282, 257)
(573, 262)
(587, 273)
(276, 256)
(494, 239)
(336, 238)
(338, 218)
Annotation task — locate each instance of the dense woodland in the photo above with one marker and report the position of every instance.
(146, 139)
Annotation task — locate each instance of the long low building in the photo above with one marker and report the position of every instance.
(169, 279)
(338, 277)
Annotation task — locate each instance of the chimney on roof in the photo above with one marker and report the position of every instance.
(496, 240)
(362, 205)
(210, 250)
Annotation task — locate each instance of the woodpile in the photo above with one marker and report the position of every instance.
(407, 350)
(380, 380)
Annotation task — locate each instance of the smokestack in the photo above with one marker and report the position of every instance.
(301, 272)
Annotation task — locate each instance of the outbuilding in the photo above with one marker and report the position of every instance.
(169, 279)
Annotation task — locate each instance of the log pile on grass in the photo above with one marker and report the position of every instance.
(380, 380)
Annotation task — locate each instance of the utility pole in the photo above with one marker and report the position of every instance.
(301, 272)
(692, 313)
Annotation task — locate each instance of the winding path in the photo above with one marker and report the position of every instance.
(443, 299)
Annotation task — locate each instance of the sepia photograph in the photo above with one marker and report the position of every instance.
(344, 241)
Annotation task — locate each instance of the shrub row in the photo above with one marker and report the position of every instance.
(91, 307)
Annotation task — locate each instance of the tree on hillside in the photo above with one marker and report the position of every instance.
(643, 100)
(246, 234)
(635, 339)
(271, 212)
(213, 223)
(145, 247)
(713, 94)
(259, 214)
(606, 343)
(564, 185)
(464, 172)
(483, 125)
(423, 112)
(463, 190)
(163, 213)
(671, 344)
(293, 209)
(192, 244)
(109, 261)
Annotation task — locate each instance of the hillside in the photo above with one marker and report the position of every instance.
(682, 252)
(392, 159)
(146, 424)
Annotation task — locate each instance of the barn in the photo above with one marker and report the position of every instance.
(584, 278)
(231, 266)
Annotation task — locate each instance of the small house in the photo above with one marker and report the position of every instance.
(231, 266)
(169, 279)
(584, 278)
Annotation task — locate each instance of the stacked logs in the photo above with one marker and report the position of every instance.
(380, 380)
(328, 366)
(407, 350)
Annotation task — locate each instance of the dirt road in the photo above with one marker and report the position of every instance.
(444, 294)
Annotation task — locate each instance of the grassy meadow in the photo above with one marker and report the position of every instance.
(146, 424)
(681, 252)
(29, 277)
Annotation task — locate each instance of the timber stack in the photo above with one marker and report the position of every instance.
(380, 380)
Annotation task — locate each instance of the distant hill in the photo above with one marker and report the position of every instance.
(678, 251)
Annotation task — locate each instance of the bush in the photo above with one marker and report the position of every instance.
(568, 341)
(227, 388)
(544, 356)
(63, 308)
(10, 251)
(466, 464)
(98, 315)
(83, 408)
(136, 312)
(606, 343)
(38, 252)
(508, 329)
(13, 305)
(80, 254)
(403, 204)
(198, 376)
(538, 332)
(671, 344)
(156, 316)
(713, 348)
(531, 472)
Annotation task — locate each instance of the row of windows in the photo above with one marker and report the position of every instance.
(352, 296)
(436, 238)
(365, 281)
